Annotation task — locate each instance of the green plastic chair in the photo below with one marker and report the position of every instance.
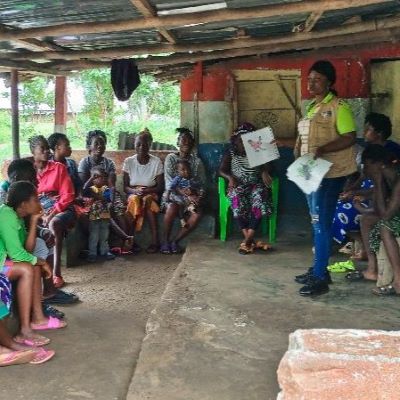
(225, 214)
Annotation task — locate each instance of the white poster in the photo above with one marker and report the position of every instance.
(260, 147)
(308, 173)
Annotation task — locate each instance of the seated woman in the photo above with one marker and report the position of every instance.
(378, 128)
(381, 222)
(248, 190)
(96, 142)
(22, 202)
(186, 145)
(143, 183)
(61, 150)
(56, 195)
(23, 170)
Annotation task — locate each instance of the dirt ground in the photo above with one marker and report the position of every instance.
(96, 354)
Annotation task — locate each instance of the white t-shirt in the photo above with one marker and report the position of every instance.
(142, 174)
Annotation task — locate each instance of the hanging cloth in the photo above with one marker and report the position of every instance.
(124, 78)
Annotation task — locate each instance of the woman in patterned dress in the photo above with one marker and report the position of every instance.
(248, 190)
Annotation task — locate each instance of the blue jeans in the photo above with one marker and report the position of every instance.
(98, 236)
(322, 205)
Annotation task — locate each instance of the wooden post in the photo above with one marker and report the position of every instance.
(15, 114)
(60, 112)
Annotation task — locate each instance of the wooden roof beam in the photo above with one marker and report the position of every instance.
(368, 26)
(171, 21)
(309, 23)
(182, 60)
(148, 11)
(37, 69)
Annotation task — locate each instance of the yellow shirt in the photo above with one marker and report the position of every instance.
(344, 118)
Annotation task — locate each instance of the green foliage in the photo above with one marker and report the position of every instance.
(153, 105)
(34, 93)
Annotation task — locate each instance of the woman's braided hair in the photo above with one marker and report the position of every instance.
(36, 141)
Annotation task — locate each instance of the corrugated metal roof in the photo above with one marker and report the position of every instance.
(28, 14)
(23, 14)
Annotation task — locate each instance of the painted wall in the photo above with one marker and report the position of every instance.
(209, 101)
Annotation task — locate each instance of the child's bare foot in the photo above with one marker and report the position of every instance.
(128, 243)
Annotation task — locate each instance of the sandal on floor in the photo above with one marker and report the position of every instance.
(175, 248)
(355, 276)
(32, 342)
(58, 282)
(62, 297)
(42, 355)
(16, 357)
(385, 291)
(165, 248)
(50, 311)
(342, 266)
(152, 249)
(259, 245)
(52, 323)
(246, 248)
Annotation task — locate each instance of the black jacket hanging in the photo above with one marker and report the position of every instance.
(124, 78)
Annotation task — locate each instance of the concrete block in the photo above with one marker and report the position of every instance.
(341, 364)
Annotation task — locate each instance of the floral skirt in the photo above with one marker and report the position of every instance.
(249, 202)
(5, 291)
(392, 225)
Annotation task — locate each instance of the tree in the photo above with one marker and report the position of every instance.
(36, 92)
(99, 97)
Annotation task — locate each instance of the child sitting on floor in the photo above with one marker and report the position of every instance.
(99, 214)
(185, 191)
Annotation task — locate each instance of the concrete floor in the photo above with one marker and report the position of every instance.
(97, 352)
(223, 323)
(218, 332)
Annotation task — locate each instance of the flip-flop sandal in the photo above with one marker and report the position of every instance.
(263, 246)
(165, 248)
(245, 249)
(32, 342)
(50, 311)
(152, 249)
(175, 248)
(42, 356)
(341, 266)
(385, 291)
(52, 323)
(16, 357)
(116, 251)
(61, 297)
(355, 276)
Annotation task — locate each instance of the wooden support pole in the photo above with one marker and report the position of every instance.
(15, 114)
(61, 105)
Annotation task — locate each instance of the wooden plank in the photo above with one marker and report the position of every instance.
(181, 20)
(148, 11)
(373, 26)
(159, 63)
(14, 114)
(309, 23)
(26, 66)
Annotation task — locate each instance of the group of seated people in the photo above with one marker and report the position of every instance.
(47, 194)
(367, 221)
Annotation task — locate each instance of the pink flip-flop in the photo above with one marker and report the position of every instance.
(52, 323)
(42, 356)
(32, 342)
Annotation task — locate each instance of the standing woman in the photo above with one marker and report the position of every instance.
(186, 144)
(327, 131)
(248, 190)
(56, 195)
